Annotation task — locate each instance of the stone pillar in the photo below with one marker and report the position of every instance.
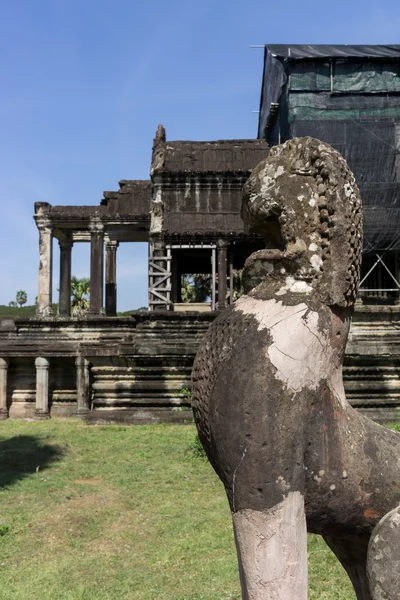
(3, 388)
(42, 388)
(213, 277)
(82, 385)
(111, 278)
(175, 281)
(222, 274)
(45, 281)
(64, 307)
(96, 266)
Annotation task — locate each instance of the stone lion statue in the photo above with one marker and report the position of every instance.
(268, 394)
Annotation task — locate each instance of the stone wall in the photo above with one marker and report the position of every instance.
(139, 365)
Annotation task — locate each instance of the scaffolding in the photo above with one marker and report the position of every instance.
(349, 97)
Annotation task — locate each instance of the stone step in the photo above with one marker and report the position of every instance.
(138, 416)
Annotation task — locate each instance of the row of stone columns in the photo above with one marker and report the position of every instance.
(42, 387)
(44, 300)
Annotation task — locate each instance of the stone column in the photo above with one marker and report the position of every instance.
(111, 278)
(82, 385)
(397, 274)
(64, 307)
(42, 388)
(3, 388)
(45, 282)
(222, 274)
(175, 281)
(96, 266)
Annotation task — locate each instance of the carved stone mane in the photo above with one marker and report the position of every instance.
(268, 396)
(304, 198)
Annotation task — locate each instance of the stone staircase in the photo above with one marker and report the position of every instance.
(371, 371)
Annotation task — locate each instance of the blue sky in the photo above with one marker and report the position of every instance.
(85, 83)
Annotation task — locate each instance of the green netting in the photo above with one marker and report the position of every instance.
(310, 76)
(366, 77)
(312, 107)
(360, 117)
(307, 113)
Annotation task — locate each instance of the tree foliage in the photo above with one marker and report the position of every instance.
(80, 295)
(21, 297)
(237, 284)
(195, 287)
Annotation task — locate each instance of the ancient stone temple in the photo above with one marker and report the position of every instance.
(195, 217)
(133, 369)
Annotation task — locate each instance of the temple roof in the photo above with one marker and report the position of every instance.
(131, 202)
(204, 202)
(132, 198)
(220, 156)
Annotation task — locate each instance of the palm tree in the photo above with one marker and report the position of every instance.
(21, 297)
(80, 295)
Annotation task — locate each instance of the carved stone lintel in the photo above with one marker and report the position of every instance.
(42, 388)
(4, 362)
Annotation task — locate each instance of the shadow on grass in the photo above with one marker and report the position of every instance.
(23, 455)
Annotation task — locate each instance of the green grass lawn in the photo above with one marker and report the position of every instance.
(16, 311)
(95, 513)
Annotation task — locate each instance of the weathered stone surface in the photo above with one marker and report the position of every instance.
(45, 277)
(111, 278)
(82, 385)
(96, 266)
(138, 366)
(272, 547)
(197, 185)
(42, 388)
(163, 348)
(384, 557)
(3, 388)
(268, 394)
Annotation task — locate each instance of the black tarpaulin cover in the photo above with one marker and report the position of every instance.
(348, 96)
(299, 51)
